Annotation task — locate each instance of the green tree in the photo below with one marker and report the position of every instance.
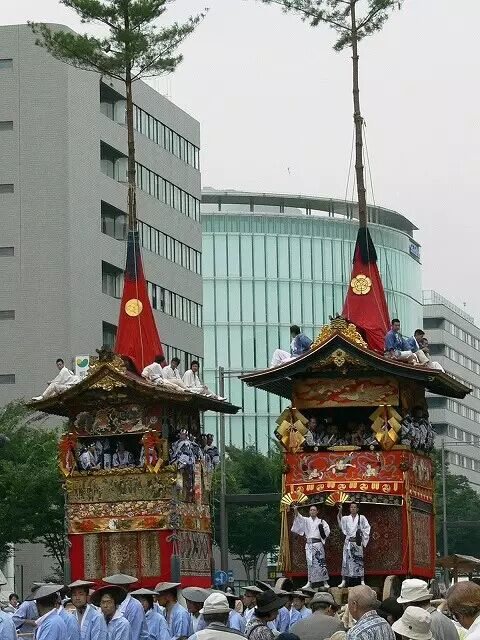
(463, 512)
(134, 48)
(31, 496)
(253, 530)
(353, 20)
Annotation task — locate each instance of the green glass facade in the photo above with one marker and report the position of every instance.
(267, 269)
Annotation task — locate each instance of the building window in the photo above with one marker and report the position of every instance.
(167, 192)
(112, 280)
(114, 221)
(7, 378)
(7, 252)
(114, 165)
(175, 305)
(165, 137)
(6, 188)
(184, 357)
(109, 332)
(114, 224)
(7, 314)
(6, 125)
(161, 299)
(164, 245)
(6, 63)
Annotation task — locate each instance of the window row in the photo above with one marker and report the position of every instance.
(110, 332)
(167, 138)
(114, 224)
(463, 461)
(175, 305)
(462, 335)
(154, 240)
(462, 359)
(464, 436)
(167, 192)
(162, 299)
(462, 410)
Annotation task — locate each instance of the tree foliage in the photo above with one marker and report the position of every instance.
(253, 530)
(370, 15)
(134, 42)
(134, 48)
(463, 512)
(31, 496)
(353, 20)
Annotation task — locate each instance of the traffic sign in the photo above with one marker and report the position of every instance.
(230, 575)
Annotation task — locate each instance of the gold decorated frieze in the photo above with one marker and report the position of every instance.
(131, 485)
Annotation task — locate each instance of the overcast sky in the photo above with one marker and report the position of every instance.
(274, 103)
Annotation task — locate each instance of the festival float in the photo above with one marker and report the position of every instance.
(144, 513)
(358, 431)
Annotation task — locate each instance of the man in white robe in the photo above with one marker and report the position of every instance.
(172, 374)
(155, 373)
(63, 381)
(356, 529)
(192, 380)
(316, 532)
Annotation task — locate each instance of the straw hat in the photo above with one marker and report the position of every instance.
(166, 586)
(414, 624)
(269, 601)
(119, 593)
(120, 579)
(45, 590)
(195, 594)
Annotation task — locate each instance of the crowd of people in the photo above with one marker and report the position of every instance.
(158, 373)
(122, 453)
(116, 611)
(416, 432)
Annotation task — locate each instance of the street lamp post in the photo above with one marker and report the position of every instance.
(222, 374)
(444, 501)
(223, 479)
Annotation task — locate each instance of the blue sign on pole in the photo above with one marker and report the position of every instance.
(220, 578)
(230, 575)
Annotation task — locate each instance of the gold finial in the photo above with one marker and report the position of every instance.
(338, 324)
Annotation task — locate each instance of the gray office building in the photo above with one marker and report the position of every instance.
(455, 343)
(62, 216)
(62, 213)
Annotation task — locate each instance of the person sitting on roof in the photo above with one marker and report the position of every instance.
(424, 348)
(299, 345)
(192, 380)
(172, 374)
(155, 373)
(396, 346)
(63, 381)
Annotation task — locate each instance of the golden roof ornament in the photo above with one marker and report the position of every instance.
(338, 324)
(106, 356)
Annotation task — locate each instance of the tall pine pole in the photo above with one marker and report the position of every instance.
(358, 122)
(343, 17)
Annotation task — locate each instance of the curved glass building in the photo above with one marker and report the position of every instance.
(272, 260)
